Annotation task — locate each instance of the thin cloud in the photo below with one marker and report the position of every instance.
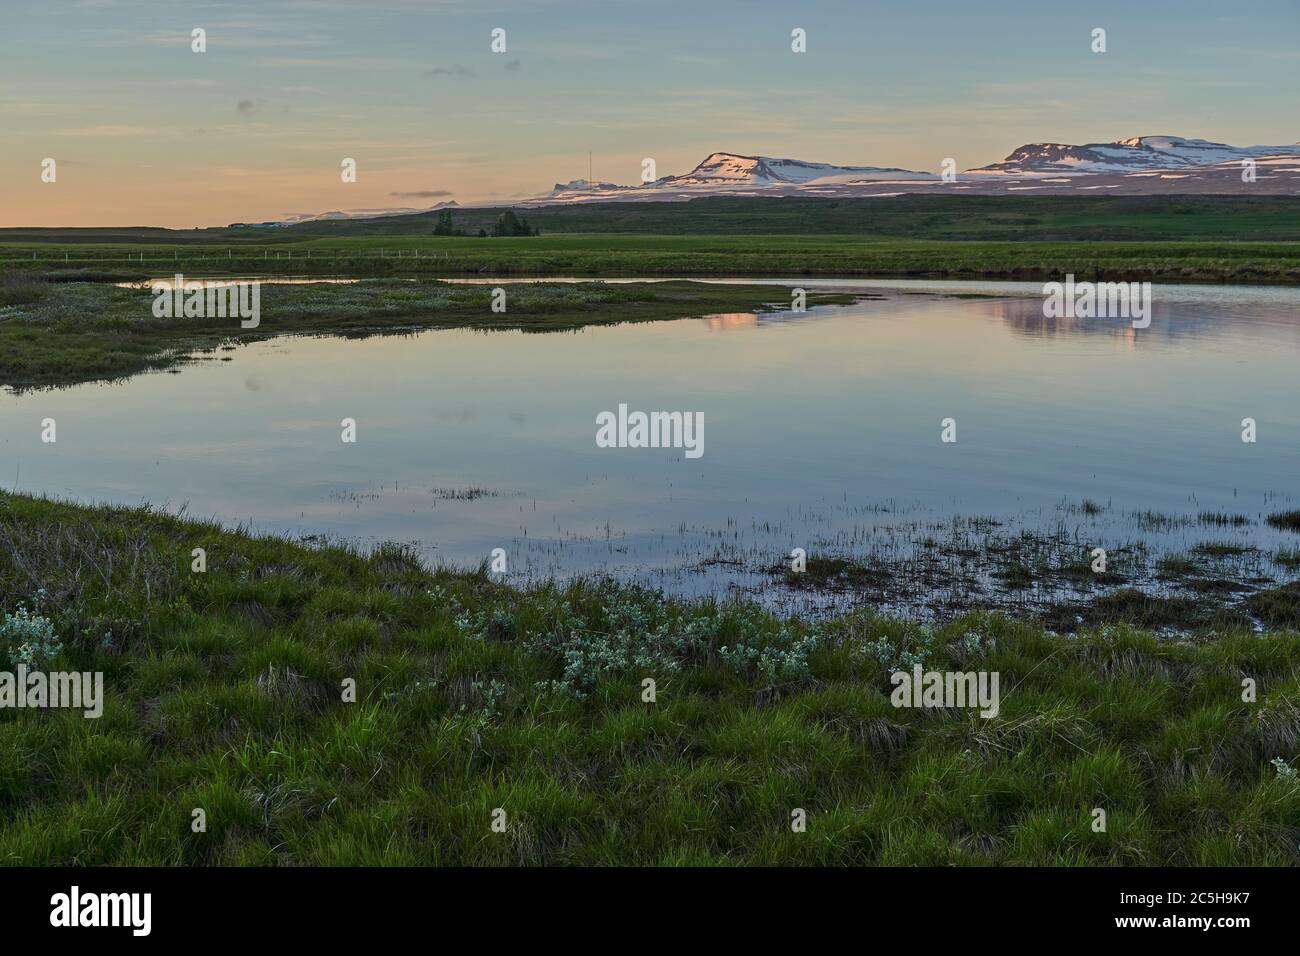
(454, 70)
(370, 63)
(694, 60)
(422, 194)
(110, 131)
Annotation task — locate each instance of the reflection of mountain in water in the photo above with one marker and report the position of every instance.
(737, 321)
(1170, 321)
(730, 321)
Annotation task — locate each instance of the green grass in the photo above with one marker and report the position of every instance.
(833, 572)
(70, 332)
(21, 287)
(626, 255)
(1136, 608)
(1168, 238)
(224, 693)
(1221, 549)
(969, 218)
(1279, 607)
(1288, 558)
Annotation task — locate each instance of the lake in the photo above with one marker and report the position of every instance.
(821, 431)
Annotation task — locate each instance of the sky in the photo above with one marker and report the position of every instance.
(144, 131)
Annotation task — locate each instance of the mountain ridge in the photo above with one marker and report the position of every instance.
(1135, 165)
(1145, 153)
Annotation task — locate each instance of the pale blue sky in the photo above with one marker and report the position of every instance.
(147, 132)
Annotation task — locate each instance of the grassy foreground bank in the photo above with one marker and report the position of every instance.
(224, 693)
(65, 333)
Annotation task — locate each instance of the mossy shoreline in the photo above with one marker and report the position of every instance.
(55, 334)
(225, 691)
(1049, 574)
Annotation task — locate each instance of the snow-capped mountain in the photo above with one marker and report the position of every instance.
(1141, 153)
(728, 169)
(734, 175)
(588, 186)
(1139, 165)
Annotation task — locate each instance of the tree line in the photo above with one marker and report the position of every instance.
(507, 224)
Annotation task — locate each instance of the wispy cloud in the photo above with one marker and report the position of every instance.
(454, 70)
(693, 60)
(107, 130)
(370, 63)
(230, 35)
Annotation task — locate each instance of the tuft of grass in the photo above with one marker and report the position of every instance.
(1221, 549)
(1288, 558)
(1137, 608)
(1221, 519)
(1285, 520)
(1015, 575)
(834, 572)
(21, 287)
(1176, 566)
(1279, 607)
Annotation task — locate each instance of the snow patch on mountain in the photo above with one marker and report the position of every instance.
(733, 174)
(1138, 153)
(731, 169)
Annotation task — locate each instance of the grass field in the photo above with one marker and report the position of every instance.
(1170, 238)
(64, 333)
(970, 218)
(225, 693)
(636, 255)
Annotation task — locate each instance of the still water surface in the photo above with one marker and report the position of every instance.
(822, 431)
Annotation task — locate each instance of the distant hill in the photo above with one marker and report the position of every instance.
(358, 214)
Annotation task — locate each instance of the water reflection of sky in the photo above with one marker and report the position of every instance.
(820, 428)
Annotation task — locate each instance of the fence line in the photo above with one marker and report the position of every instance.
(330, 257)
